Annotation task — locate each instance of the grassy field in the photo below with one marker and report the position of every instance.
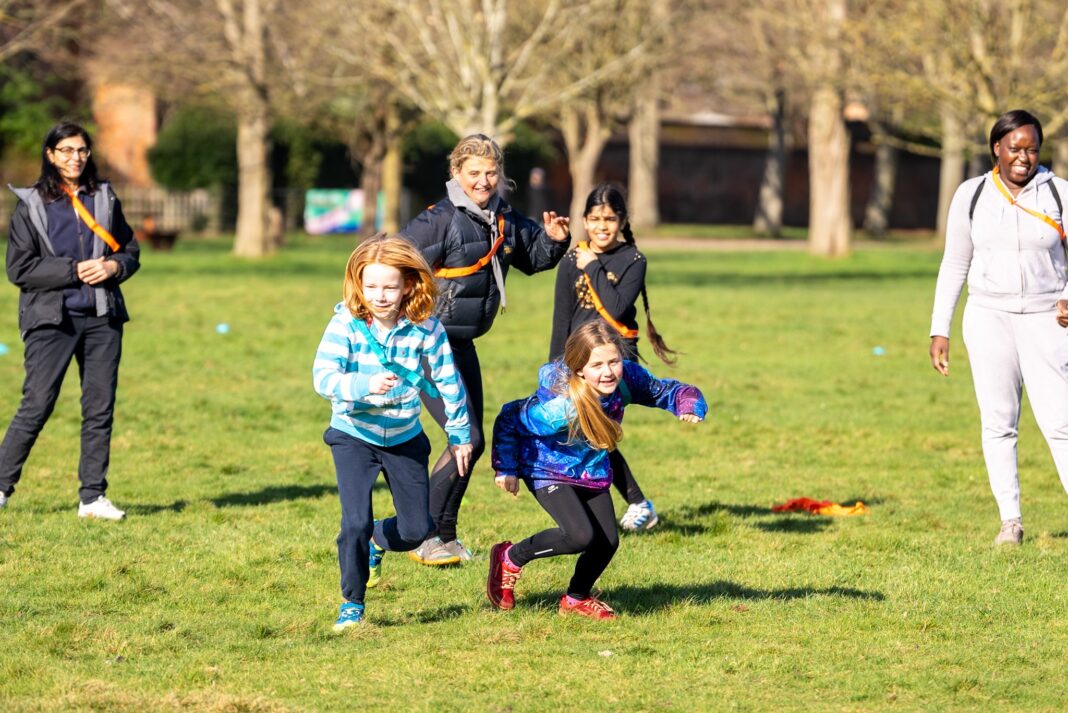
(218, 591)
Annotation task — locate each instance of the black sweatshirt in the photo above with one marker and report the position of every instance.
(617, 276)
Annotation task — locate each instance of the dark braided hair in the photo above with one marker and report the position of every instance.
(611, 196)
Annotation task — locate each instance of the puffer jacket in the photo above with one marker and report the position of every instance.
(1013, 261)
(450, 237)
(531, 436)
(41, 276)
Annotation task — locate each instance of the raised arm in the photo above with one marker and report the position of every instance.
(536, 249)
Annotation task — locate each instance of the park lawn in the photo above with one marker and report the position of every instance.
(219, 590)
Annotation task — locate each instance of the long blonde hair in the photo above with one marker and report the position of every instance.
(396, 252)
(590, 422)
(478, 146)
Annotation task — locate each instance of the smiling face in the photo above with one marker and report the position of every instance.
(1017, 155)
(383, 290)
(478, 177)
(69, 157)
(603, 369)
(603, 226)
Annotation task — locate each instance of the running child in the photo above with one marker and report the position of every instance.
(368, 366)
(557, 442)
(600, 280)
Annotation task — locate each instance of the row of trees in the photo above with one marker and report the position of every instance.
(930, 75)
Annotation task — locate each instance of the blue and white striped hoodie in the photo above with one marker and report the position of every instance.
(345, 363)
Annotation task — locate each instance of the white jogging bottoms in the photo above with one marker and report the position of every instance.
(1008, 351)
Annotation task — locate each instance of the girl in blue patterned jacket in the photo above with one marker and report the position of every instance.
(368, 365)
(557, 441)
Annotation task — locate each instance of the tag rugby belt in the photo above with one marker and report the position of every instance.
(91, 223)
(482, 262)
(624, 331)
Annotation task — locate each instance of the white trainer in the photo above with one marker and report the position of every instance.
(1012, 533)
(101, 508)
(3, 500)
(639, 516)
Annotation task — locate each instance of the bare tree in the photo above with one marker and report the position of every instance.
(25, 24)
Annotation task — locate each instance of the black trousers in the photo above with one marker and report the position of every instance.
(447, 488)
(623, 479)
(358, 464)
(96, 344)
(586, 524)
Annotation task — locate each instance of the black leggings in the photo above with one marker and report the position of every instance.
(587, 525)
(623, 479)
(447, 488)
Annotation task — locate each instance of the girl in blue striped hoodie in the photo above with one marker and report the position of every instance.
(369, 365)
(557, 442)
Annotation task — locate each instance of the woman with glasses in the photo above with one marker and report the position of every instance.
(69, 248)
(1005, 236)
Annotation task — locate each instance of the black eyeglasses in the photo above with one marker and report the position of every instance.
(66, 152)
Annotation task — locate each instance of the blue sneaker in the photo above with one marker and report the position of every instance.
(374, 563)
(350, 615)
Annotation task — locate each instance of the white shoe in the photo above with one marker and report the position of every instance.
(639, 516)
(1012, 532)
(100, 508)
(3, 500)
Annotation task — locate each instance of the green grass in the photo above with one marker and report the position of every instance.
(218, 591)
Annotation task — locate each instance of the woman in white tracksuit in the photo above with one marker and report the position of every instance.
(1005, 235)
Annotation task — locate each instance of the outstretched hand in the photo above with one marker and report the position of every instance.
(690, 418)
(940, 353)
(557, 226)
(508, 483)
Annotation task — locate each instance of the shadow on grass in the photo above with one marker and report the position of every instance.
(647, 600)
(151, 509)
(694, 519)
(428, 616)
(273, 494)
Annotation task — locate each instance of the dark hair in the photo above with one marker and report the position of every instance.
(50, 183)
(1011, 121)
(611, 196)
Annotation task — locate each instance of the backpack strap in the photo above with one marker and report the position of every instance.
(975, 199)
(409, 376)
(1057, 200)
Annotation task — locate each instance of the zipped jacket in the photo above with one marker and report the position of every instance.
(42, 276)
(345, 363)
(451, 237)
(1013, 261)
(531, 436)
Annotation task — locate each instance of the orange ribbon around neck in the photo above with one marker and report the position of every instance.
(1012, 201)
(624, 331)
(90, 221)
(482, 262)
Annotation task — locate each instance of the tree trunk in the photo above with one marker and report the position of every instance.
(768, 217)
(392, 182)
(828, 170)
(952, 167)
(254, 181)
(1060, 156)
(371, 181)
(644, 136)
(585, 136)
(877, 213)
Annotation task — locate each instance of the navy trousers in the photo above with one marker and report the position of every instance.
(96, 344)
(358, 464)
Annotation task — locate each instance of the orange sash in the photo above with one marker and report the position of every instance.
(482, 262)
(1012, 201)
(91, 223)
(624, 331)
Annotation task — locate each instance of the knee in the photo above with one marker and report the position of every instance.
(414, 533)
(578, 539)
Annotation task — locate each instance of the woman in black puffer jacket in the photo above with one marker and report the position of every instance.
(471, 239)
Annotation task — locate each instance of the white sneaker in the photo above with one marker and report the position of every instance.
(3, 500)
(639, 516)
(100, 508)
(1012, 533)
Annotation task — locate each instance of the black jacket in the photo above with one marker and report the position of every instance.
(41, 276)
(617, 276)
(449, 236)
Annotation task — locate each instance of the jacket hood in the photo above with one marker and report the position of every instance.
(462, 200)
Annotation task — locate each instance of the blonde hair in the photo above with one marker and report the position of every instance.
(478, 146)
(590, 422)
(396, 252)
